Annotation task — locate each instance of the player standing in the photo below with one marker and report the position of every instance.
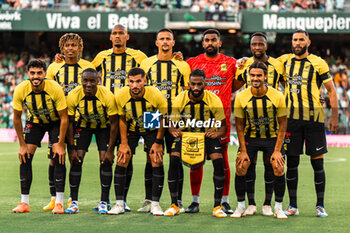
(133, 103)
(47, 112)
(258, 47)
(68, 75)
(115, 63)
(170, 76)
(305, 74)
(95, 105)
(261, 121)
(220, 72)
(198, 105)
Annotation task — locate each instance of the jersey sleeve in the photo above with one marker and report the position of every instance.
(176, 108)
(281, 107)
(98, 60)
(71, 103)
(18, 98)
(140, 57)
(60, 100)
(111, 105)
(323, 71)
(218, 109)
(50, 73)
(119, 103)
(161, 101)
(240, 75)
(186, 71)
(238, 108)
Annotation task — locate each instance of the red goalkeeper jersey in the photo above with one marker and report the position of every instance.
(220, 73)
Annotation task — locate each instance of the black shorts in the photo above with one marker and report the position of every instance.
(211, 146)
(266, 145)
(312, 133)
(34, 133)
(83, 136)
(149, 138)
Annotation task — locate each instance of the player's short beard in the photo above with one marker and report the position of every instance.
(118, 46)
(302, 51)
(260, 56)
(196, 95)
(212, 52)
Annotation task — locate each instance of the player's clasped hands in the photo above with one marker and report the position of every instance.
(74, 155)
(108, 156)
(242, 160)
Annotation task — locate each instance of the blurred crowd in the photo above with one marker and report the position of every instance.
(192, 5)
(12, 72)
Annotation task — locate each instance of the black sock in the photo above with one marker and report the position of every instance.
(60, 176)
(105, 179)
(51, 180)
(269, 183)
(119, 182)
(26, 175)
(157, 182)
(292, 179)
(319, 179)
(129, 172)
(240, 187)
(173, 178)
(280, 187)
(219, 180)
(148, 181)
(181, 182)
(250, 182)
(74, 179)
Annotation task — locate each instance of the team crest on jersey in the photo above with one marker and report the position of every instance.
(223, 67)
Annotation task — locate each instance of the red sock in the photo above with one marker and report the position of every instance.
(196, 175)
(227, 170)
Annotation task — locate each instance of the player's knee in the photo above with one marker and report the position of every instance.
(278, 171)
(242, 170)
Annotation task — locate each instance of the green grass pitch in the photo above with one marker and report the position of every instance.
(337, 201)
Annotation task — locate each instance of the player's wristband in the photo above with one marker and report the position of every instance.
(159, 141)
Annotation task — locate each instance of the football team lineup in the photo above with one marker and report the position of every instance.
(193, 123)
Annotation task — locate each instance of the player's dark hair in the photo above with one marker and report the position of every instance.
(91, 71)
(259, 34)
(37, 63)
(258, 65)
(198, 73)
(165, 30)
(136, 71)
(211, 31)
(301, 31)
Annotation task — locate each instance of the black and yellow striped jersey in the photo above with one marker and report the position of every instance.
(42, 107)
(115, 67)
(91, 112)
(168, 76)
(133, 109)
(304, 79)
(260, 112)
(274, 75)
(67, 75)
(209, 109)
